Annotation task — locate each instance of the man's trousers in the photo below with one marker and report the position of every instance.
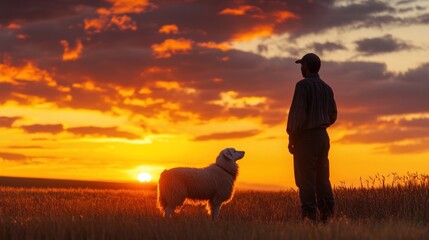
(311, 166)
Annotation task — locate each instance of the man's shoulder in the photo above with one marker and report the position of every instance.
(308, 83)
(302, 82)
(326, 84)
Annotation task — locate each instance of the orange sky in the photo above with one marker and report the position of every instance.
(105, 90)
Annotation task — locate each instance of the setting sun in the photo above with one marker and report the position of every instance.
(144, 177)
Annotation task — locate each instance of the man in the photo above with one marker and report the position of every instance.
(312, 111)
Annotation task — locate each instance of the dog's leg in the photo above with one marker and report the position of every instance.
(215, 209)
(168, 212)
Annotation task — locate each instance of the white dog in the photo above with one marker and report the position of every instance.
(214, 183)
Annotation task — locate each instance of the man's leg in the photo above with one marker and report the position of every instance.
(305, 178)
(325, 197)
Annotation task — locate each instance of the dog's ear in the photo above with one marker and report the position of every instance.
(227, 155)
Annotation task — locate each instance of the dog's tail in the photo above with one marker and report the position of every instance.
(162, 183)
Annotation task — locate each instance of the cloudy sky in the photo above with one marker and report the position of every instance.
(106, 89)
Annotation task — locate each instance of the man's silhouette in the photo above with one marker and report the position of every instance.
(313, 109)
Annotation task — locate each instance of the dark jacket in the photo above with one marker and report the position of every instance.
(313, 106)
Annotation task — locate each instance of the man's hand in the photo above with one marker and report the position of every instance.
(291, 148)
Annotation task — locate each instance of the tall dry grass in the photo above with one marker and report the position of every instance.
(390, 207)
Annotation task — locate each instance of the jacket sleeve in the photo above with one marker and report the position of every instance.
(297, 115)
(333, 111)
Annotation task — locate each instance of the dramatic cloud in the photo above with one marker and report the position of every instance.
(230, 99)
(329, 15)
(102, 131)
(419, 147)
(26, 147)
(71, 53)
(175, 60)
(45, 9)
(104, 23)
(243, 10)
(125, 6)
(115, 16)
(24, 159)
(328, 46)
(15, 157)
(379, 45)
(28, 72)
(384, 136)
(171, 46)
(227, 135)
(7, 122)
(405, 2)
(418, 123)
(213, 45)
(43, 128)
(169, 29)
(422, 19)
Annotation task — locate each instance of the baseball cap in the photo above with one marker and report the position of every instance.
(309, 58)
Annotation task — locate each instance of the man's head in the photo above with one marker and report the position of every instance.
(310, 63)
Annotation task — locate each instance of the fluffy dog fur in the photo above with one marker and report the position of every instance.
(214, 183)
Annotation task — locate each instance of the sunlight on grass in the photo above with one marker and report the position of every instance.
(393, 210)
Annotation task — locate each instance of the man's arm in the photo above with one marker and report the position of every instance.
(333, 111)
(297, 113)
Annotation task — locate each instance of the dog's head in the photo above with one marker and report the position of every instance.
(229, 156)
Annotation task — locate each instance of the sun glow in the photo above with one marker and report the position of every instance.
(144, 177)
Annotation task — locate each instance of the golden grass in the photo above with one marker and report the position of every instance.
(395, 210)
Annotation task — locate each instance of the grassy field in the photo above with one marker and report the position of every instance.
(376, 210)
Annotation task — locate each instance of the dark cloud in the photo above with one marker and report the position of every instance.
(417, 75)
(7, 122)
(353, 119)
(43, 139)
(89, 99)
(413, 130)
(43, 128)
(102, 131)
(134, 47)
(420, 8)
(405, 2)
(380, 22)
(25, 147)
(364, 95)
(244, 73)
(384, 136)
(114, 60)
(316, 17)
(15, 157)
(420, 147)
(227, 135)
(422, 19)
(327, 46)
(262, 48)
(405, 10)
(406, 93)
(380, 45)
(66, 22)
(24, 159)
(25, 10)
(5, 91)
(417, 122)
(36, 89)
(121, 65)
(357, 85)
